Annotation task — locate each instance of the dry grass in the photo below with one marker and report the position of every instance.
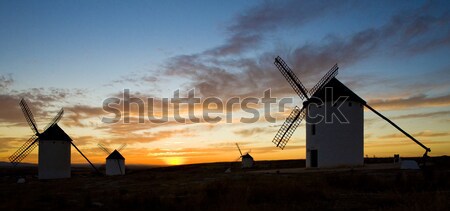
(207, 187)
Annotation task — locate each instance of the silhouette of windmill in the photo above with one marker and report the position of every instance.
(246, 158)
(54, 147)
(115, 162)
(329, 144)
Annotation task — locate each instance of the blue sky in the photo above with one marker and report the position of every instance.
(74, 54)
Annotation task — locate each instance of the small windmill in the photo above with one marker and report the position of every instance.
(54, 147)
(115, 162)
(328, 144)
(247, 159)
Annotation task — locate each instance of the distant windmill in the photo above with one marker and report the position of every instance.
(54, 147)
(247, 159)
(115, 162)
(328, 144)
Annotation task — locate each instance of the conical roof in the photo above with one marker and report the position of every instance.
(247, 156)
(54, 133)
(339, 89)
(115, 155)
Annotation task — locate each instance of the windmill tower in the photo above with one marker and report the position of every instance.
(247, 159)
(329, 142)
(54, 147)
(115, 162)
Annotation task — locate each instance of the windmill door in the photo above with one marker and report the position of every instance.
(313, 158)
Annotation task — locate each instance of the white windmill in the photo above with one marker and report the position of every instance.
(329, 143)
(115, 162)
(246, 158)
(54, 147)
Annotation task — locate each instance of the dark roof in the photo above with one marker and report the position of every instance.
(247, 156)
(115, 155)
(339, 89)
(54, 133)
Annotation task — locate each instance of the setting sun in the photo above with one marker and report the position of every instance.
(173, 161)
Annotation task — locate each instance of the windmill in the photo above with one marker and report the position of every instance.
(115, 162)
(247, 159)
(328, 144)
(54, 147)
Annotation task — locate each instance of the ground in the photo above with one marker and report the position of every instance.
(269, 186)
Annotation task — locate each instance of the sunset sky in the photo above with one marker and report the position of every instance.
(76, 54)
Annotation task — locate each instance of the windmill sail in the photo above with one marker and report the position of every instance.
(288, 128)
(28, 116)
(55, 119)
(24, 150)
(324, 80)
(104, 149)
(240, 152)
(291, 78)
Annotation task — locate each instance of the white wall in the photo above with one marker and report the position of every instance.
(54, 159)
(338, 144)
(115, 167)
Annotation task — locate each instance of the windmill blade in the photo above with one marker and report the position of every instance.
(85, 157)
(121, 147)
(398, 128)
(55, 119)
(28, 116)
(324, 80)
(291, 78)
(239, 149)
(288, 128)
(24, 150)
(106, 150)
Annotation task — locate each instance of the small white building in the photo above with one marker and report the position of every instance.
(335, 143)
(247, 161)
(54, 154)
(115, 164)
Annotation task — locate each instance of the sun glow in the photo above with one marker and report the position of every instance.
(173, 161)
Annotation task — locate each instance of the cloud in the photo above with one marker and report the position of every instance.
(410, 102)
(6, 81)
(215, 75)
(422, 134)
(248, 29)
(423, 115)
(250, 132)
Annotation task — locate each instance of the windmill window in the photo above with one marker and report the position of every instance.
(350, 104)
(313, 128)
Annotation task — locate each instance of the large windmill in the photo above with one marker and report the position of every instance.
(246, 158)
(54, 147)
(115, 162)
(329, 143)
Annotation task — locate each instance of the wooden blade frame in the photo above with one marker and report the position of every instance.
(324, 80)
(28, 116)
(240, 152)
(289, 126)
(291, 78)
(55, 119)
(24, 150)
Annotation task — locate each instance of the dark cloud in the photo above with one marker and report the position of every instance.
(423, 134)
(5, 82)
(248, 29)
(423, 115)
(228, 76)
(250, 132)
(410, 102)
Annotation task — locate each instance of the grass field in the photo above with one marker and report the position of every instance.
(207, 187)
